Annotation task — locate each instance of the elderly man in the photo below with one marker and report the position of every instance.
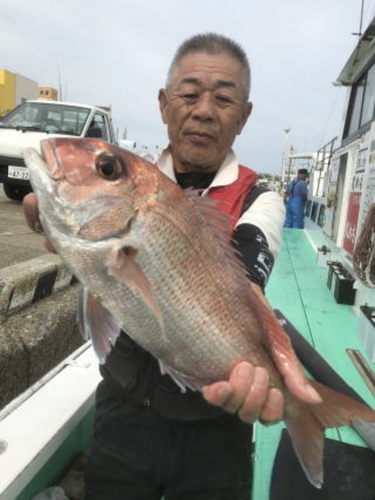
(150, 439)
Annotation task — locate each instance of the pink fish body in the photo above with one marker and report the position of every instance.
(157, 262)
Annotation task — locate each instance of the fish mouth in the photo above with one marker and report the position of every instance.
(43, 182)
(40, 173)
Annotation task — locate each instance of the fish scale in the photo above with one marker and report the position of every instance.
(209, 315)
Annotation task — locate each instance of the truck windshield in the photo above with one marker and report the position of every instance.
(47, 117)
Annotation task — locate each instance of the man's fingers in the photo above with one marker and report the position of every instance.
(248, 393)
(301, 389)
(49, 246)
(218, 393)
(231, 395)
(31, 211)
(241, 379)
(251, 406)
(296, 382)
(273, 408)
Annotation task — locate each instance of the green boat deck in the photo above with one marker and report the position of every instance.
(298, 289)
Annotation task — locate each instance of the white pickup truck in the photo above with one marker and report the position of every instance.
(30, 122)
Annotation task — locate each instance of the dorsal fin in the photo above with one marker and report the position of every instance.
(220, 224)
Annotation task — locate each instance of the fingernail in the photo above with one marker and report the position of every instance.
(260, 378)
(223, 392)
(243, 371)
(314, 395)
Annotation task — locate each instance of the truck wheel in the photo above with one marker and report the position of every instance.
(15, 192)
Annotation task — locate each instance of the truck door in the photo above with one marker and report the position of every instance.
(98, 127)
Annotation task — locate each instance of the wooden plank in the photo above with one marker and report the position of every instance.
(364, 368)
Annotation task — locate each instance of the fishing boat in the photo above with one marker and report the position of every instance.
(324, 300)
(48, 427)
(45, 430)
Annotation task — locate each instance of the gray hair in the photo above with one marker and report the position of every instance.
(213, 44)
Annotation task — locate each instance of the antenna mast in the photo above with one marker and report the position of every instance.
(359, 34)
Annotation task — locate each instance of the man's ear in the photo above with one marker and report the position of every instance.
(246, 112)
(163, 102)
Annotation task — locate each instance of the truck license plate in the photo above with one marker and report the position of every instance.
(18, 172)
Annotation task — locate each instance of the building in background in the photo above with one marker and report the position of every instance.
(7, 91)
(25, 89)
(47, 93)
(15, 89)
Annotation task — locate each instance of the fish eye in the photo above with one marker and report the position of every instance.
(109, 167)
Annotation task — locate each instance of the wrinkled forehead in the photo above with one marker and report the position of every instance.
(213, 70)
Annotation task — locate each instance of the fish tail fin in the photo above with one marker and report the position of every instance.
(306, 424)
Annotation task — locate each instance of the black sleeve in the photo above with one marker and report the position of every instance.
(254, 252)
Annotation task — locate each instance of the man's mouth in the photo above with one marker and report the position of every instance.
(197, 136)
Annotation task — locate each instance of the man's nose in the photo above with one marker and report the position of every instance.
(205, 107)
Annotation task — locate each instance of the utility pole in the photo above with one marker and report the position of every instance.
(284, 158)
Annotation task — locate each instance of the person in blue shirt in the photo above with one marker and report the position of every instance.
(296, 198)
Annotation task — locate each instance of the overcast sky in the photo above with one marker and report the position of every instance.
(118, 51)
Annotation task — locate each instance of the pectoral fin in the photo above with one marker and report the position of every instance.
(123, 266)
(96, 323)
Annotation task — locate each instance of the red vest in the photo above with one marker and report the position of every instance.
(233, 195)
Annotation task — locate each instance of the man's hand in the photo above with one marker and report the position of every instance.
(247, 391)
(31, 211)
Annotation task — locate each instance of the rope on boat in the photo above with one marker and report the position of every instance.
(364, 252)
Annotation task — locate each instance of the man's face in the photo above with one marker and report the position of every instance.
(204, 110)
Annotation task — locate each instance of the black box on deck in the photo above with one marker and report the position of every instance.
(332, 265)
(340, 282)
